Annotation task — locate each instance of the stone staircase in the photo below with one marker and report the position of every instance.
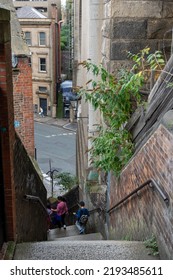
(69, 245)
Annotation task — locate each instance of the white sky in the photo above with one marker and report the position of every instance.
(63, 2)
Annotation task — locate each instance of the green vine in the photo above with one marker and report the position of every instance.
(67, 180)
(151, 243)
(117, 97)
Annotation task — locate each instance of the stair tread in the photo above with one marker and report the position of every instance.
(71, 233)
(83, 249)
(91, 236)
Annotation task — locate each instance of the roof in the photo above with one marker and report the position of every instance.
(29, 12)
(19, 46)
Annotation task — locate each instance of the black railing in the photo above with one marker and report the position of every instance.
(36, 199)
(95, 210)
(152, 184)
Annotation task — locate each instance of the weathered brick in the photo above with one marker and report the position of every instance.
(150, 212)
(23, 102)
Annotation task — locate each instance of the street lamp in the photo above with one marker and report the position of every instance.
(51, 173)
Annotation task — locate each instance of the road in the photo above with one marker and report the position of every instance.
(57, 145)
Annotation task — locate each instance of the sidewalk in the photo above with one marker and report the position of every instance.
(65, 123)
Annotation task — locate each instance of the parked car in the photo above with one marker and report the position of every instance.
(67, 92)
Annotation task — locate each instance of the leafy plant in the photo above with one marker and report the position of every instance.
(67, 180)
(65, 33)
(116, 97)
(151, 243)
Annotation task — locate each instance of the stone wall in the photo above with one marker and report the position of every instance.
(31, 216)
(133, 25)
(146, 213)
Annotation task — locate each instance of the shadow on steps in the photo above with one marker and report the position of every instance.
(71, 233)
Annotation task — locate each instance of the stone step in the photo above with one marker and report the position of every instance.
(71, 233)
(61, 233)
(70, 245)
(91, 236)
(82, 249)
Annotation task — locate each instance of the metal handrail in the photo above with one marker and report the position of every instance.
(35, 198)
(153, 184)
(95, 210)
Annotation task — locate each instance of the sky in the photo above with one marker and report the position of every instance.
(63, 2)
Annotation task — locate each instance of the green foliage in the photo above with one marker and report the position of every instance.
(151, 243)
(65, 33)
(116, 97)
(67, 180)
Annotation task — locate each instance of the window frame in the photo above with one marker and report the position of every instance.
(26, 39)
(42, 89)
(41, 39)
(42, 65)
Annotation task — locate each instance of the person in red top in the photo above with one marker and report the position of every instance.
(62, 210)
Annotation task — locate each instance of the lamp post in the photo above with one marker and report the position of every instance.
(51, 173)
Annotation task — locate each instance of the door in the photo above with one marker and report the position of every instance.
(2, 216)
(43, 105)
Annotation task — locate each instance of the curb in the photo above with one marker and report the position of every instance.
(48, 122)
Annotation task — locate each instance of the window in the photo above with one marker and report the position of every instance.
(42, 39)
(41, 9)
(30, 61)
(42, 89)
(28, 38)
(42, 64)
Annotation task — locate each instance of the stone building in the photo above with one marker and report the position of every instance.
(39, 22)
(43, 6)
(104, 31)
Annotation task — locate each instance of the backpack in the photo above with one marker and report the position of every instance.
(83, 219)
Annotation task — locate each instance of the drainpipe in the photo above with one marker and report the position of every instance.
(59, 50)
(54, 58)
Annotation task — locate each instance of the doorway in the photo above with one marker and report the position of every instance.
(43, 105)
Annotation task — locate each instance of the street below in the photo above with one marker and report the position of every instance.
(55, 150)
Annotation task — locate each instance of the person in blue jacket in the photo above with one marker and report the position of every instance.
(82, 217)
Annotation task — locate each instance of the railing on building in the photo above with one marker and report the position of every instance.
(36, 199)
(152, 184)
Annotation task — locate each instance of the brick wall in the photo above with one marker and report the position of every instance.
(31, 217)
(7, 127)
(146, 213)
(23, 103)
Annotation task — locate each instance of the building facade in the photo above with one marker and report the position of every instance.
(41, 35)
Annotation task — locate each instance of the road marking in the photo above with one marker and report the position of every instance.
(60, 134)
